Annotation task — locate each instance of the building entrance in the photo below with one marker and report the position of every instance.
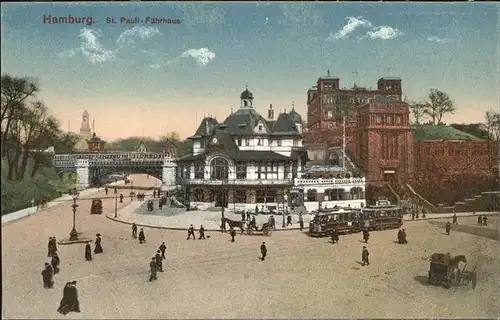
(221, 198)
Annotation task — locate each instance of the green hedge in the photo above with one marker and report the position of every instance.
(46, 185)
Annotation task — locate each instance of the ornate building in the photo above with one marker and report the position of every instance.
(249, 161)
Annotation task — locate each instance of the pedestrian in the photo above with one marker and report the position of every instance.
(154, 193)
(152, 268)
(69, 302)
(301, 223)
(88, 252)
(248, 215)
(243, 215)
(448, 228)
(142, 237)
(49, 248)
(455, 219)
(365, 257)
(106, 190)
(191, 233)
(480, 220)
(116, 191)
(54, 244)
(232, 232)
(485, 220)
(222, 225)
(159, 260)
(47, 276)
(121, 197)
(263, 251)
(335, 236)
(366, 235)
(400, 236)
(288, 221)
(98, 246)
(163, 248)
(54, 262)
(413, 215)
(202, 233)
(403, 234)
(134, 231)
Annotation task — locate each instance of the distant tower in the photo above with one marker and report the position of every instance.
(85, 130)
(246, 99)
(270, 112)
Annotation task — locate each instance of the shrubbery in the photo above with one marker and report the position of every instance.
(45, 186)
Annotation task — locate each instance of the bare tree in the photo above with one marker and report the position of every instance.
(438, 106)
(493, 125)
(417, 110)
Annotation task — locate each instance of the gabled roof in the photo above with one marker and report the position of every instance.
(202, 128)
(284, 124)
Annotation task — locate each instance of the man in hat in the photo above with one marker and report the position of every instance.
(47, 276)
(232, 232)
(121, 197)
(88, 252)
(54, 244)
(55, 261)
(366, 235)
(448, 228)
(49, 248)
(400, 236)
(191, 233)
(152, 268)
(263, 251)
(365, 257)
(335, 236)
(142, 237)
(485, 220)
(202, 233)
(163, 248)
(455, 219)
(403, 235)
(134, 230)
(159, 260)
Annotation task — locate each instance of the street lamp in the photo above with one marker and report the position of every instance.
(116, 206)
(283, 213)
(73, 235)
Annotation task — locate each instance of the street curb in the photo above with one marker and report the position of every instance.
(183, 229)
(277, 230)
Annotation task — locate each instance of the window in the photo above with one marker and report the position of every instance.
(356, 193)
(198, 195)
(199, 170)
(398, 120)
(241, 171)
(294, 172)
(265, 195)
(219, 169)
(379, 120)
(278, 141)
(287, 171)
(239, 142)
(312, 195)
(389, 120)
(335, 194)
(240, 196)
(247, 142)
(267, 171)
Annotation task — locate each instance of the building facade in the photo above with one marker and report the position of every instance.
(248, 161)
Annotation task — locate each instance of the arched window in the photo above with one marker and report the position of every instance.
(219, 169)
(356, 193)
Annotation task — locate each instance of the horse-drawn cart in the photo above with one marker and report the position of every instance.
(96, 207)
(266, 230)
(444, 271)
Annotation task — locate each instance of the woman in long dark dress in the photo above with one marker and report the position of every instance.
(98, 247)
(55, 262)
(88, 252)
(64, 305)
(47, 274)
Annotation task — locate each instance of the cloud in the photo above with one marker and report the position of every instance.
(384, 33)
(203, 56)
(352, 24)
(91, 47)
(68, 53)
(142, 33)
(437, 39)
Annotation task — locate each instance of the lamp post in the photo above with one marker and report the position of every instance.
(283, 213)
(73, 235)
(116, 206)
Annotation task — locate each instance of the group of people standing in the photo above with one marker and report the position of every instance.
(156, 263)
(51, 268)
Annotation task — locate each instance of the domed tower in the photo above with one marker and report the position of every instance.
(169, 166)
(297, 119)
(246, 99)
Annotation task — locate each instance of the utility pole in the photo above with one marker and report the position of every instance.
(116, 205)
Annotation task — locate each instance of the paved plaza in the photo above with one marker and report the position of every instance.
(214, 278)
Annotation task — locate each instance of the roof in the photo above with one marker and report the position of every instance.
(389, 78)
(246, 94)
(295, 116)
(245, 155)
(284, 124)
(425, 132)
(95, 139)
(207, 122)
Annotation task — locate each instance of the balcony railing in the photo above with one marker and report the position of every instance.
(239, 182)
(321, 181)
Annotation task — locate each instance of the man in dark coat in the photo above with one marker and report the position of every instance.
(54, 244)
(152, 268)
(480, 220)
(243, 216)
(485, 220)
(121, 197)
(365, 257)
(47, 276)
(154, 193)
(301, 223)
(142, 237)
(116, 191)
(232, 232)
(106, 190)
(248, 215)
(50, 248)
(64, 305)
(335, 236)
(263, 251)
(163, 248)
(55, 261)
(366, 235)
(159, 261)
(191, 233)
(202, 233)
(400, 236)
(448, 228)
(88, 252)
(98, 246)
(134, 230)
(288, 221)
(73, 297)
(455, 219)
(403, 235)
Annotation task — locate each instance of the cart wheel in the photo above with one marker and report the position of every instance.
(474, 280)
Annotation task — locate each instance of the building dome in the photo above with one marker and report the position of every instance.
(295, 116)
(86, 113)
(246, 95)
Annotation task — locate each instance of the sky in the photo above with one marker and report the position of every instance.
(147, 79)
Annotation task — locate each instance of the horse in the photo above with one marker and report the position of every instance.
(235, 224)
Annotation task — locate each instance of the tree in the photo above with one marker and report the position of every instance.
(14, 92)
(493, 125)
(417, 110)
(438, 106)
(475, 129)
